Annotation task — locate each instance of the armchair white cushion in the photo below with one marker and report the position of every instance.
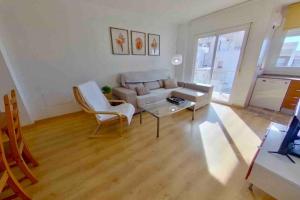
(93, 96)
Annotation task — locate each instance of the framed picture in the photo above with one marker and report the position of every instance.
(138, 43)
(153, 44)
(119, 41)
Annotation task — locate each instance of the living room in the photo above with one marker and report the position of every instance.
(149, 99)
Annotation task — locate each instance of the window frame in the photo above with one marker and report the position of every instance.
(288, 33)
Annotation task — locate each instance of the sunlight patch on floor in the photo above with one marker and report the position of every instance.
(244, 138)
(220, 157)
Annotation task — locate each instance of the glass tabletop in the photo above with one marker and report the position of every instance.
(164, 108)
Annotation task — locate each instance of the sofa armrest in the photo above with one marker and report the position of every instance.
(199, 87)
(125, 94)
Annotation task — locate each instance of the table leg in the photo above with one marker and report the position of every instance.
(157, 131)
(141, 117)
(193, 117)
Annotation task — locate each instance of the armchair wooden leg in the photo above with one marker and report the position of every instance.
(24, 168)
(17, 188)
(29, 157)
(95, 133)
(121, 126)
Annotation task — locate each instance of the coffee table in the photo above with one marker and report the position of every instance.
(164, 108)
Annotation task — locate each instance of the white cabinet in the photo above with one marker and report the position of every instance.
(275, 174)
(269, 93)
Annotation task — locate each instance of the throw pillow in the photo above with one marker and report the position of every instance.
(141, 91)
(132, 86)
(170, 83)
(152, 85)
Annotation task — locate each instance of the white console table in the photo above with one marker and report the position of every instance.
(275, 174)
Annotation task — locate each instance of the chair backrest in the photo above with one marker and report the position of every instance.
(18, 147)
(13, 119)
(93, 96)
(80, 100)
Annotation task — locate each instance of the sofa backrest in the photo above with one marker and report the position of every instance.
(144, 76)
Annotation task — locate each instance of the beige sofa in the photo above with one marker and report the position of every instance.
(199, 93)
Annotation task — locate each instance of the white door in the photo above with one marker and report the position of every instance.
(217, 60)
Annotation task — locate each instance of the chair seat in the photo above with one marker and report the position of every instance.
(125, 108)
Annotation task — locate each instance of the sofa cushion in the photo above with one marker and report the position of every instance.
(189, 94)
(154, 96)
(199, 87)
(170, 83)
(164, 92)
(132, 86)
(152, 85)
(142, 91)
(147, 99)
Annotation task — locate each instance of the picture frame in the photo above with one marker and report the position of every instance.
(119, 41)
(138, 43)
(153, 44)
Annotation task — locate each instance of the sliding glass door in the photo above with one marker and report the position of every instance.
(217, 60)
(204, 59)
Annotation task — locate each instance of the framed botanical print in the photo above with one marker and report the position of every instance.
(153, 44)
(138, 43)
(119, 41)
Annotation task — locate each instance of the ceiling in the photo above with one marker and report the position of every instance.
(286, 2)
(176, 11)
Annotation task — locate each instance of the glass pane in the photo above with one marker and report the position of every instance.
(227, 58)
(165, 108)
(290, 52)
(204, 59)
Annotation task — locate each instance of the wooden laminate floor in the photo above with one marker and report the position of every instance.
(204, 159)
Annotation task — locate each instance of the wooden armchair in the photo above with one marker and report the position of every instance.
(20, 152)
(7, 179)
(91, 100)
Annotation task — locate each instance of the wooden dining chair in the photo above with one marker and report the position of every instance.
(19, 150)
(90, 98)
(7, 179)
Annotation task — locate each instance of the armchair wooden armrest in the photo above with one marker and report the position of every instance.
(105, 113)
(117, 101)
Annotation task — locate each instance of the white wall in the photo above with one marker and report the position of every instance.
(182, 47)
(6, 85)
(55, 44)
(256, 12)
